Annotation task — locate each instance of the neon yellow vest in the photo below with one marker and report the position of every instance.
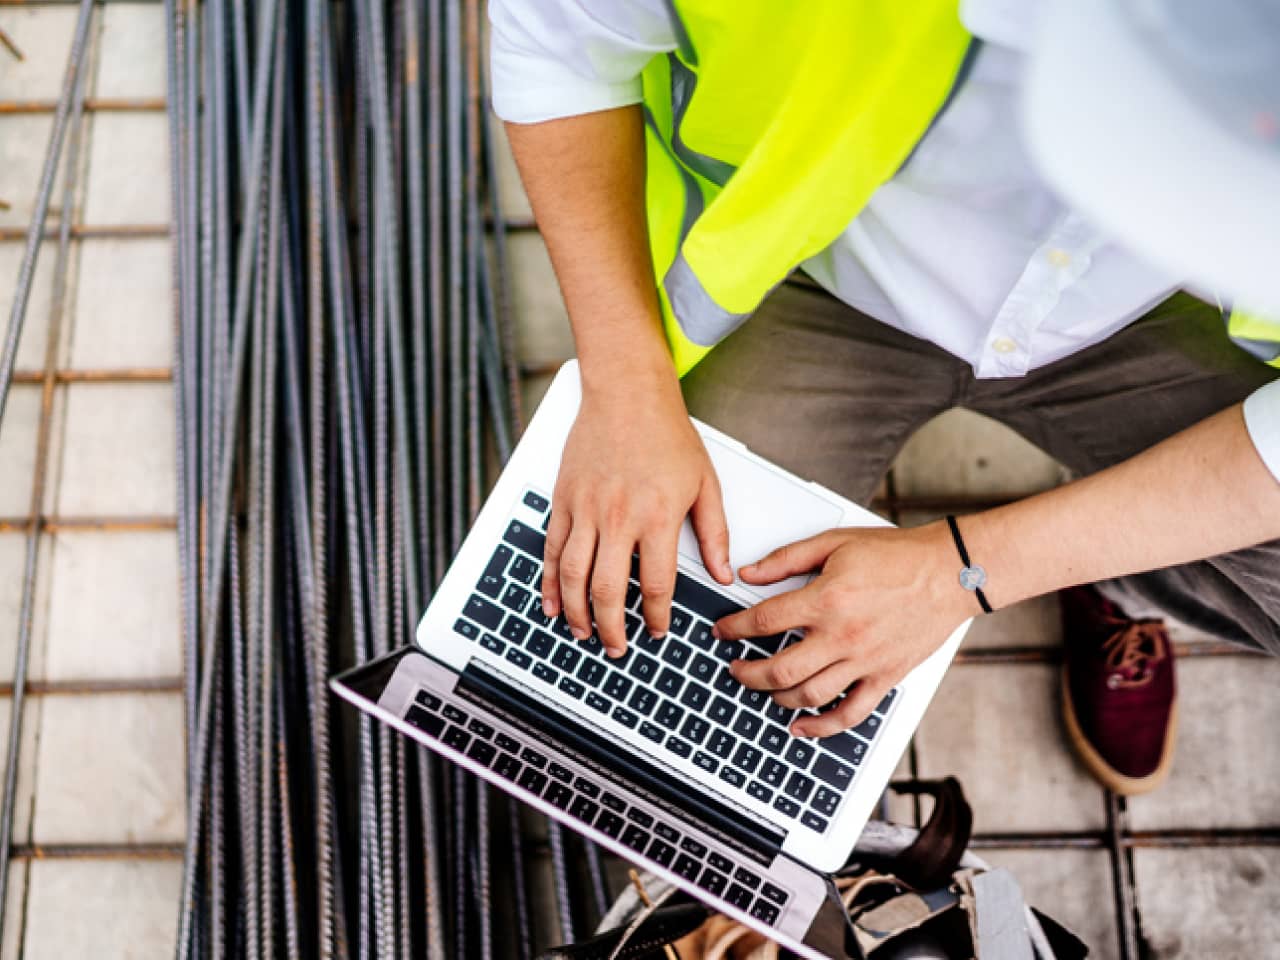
(769, 130)
(1258, 334)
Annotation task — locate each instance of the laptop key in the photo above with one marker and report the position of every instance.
(725, 683)
(426, 722)
(523, 569)
(483, 612)
(637, 838)
(814, 822)
(883, 707)
(466, 629)
(642, 701)
(727, 650)
(428, 700)
(586, 787)
(536, 501)
(644, 640)
(702, 600)
(720, 862)
(758, 791)
(666, 831)
(825, 801)
(706, 761)
(613, 802)
(787, 807)
(560, 772)
(592, 672)
(562, 629)
(695, 729)
(532, 780)
(492, 643)
(652, 731)
(845, 746)
(747, 757)
(529, 540)
(617, 686)
(713, 882)
(669, 715)
(545, 673)
(679, 747)
(584, 809)
(515, 629)
(721, 711)
(566, 657)
(747, 725)
(703, 668)
(453, 713)
(799, 787)
(541, 644)
(694, 847)
(597, 702)
(833, 772)
(643, 668)
(766, 913)
(721, 744)
(747, 878)
(774, 739)
(507, 743)
(779, 714)
(480, 728)
(642, 817)
(868, 728)
(533, 757)
(773, 773)
(507, 766)
(800, 753)
(610, 824)
(695, 697)
(516, 598)
(775, 894)
(669, 681)
(700, 636)
(755, 700)
(661, 852)
(572, 687)
(676, 654)
(625, 717)
(558, 795)
(498, 562)
(686, 867)
(739, 896)
(735, 778)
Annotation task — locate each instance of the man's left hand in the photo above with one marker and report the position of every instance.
(885, 599)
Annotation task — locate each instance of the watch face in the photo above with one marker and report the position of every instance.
(973, 578)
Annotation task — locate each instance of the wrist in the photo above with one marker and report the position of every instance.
(945, 591)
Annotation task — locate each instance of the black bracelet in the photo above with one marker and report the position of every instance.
(972, 577)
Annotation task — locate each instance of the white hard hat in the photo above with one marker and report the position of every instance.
(1160, 121)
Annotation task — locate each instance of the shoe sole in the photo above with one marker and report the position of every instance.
(1107, 775)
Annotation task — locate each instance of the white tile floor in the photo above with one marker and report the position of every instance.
(105, 768)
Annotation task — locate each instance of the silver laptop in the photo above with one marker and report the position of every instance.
(661, 756)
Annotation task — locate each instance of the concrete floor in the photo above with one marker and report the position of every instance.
(100, 770)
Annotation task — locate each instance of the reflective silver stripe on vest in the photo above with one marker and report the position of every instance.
(683, 80)
(703, 320)
(1268, 351)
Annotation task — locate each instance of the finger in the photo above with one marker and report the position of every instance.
(658, 578)
(575, 572)
(557, 534)
(609, 592)
(788, 668)
(775, 615)
(711, 529)
(802, 556)
(851, 711)
(819, 689)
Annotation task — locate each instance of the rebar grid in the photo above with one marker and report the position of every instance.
(1118, 839)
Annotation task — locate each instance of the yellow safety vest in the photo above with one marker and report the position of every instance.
(768, 130)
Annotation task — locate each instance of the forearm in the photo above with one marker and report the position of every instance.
(1200, 493)
(585, 179)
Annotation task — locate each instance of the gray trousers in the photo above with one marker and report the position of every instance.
(831, 394)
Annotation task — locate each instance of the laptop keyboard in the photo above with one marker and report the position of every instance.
(675, 691)
(587, 800)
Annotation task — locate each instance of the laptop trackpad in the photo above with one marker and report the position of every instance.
(765, 510)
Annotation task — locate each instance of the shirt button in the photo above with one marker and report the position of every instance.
(1004, 345)
(1059, 257)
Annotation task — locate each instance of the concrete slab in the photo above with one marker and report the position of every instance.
(35, 325)
(110, 769)
(1071, 886)
(13, 557)
(124, 307)
(1033, 623)
(1222, 903)
(132, 62)
(128, 178)
(122, 908)
(16, 894)
(23, 140)
(44, 37)
(117, 450)
(543, 335)
(31, 725)
(18, 449)
(114, 606)
(1226, 772)
(961, 453)
(996, 728)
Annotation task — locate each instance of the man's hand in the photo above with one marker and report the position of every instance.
(884, 601)
(633, 468)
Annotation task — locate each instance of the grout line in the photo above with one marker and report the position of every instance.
(99, 375)
(92, 686)
(94, 105)
(115, 231)
(96, 851)
(105, 524)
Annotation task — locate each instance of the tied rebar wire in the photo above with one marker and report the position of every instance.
(344, 378)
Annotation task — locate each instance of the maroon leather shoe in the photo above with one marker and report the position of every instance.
(1119, 697)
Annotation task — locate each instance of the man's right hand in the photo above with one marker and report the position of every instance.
(633, 468)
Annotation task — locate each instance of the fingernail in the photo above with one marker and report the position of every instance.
(578, 633)
(548, 608)
(715, 631)
(657, 634)
(614, 652)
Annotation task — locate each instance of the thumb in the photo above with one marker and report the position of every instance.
(803, 556)
(711, 529)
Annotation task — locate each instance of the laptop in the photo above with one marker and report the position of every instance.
(660, 756)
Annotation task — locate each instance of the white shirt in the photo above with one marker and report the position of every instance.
(966, 246)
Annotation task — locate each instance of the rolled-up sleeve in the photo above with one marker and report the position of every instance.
(555, 58)
(1262, 418)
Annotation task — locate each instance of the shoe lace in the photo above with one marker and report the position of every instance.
(1130, 651)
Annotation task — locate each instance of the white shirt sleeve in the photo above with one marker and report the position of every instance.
(1262, 418)
(560, 58)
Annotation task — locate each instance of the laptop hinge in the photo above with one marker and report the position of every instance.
(619, 762)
